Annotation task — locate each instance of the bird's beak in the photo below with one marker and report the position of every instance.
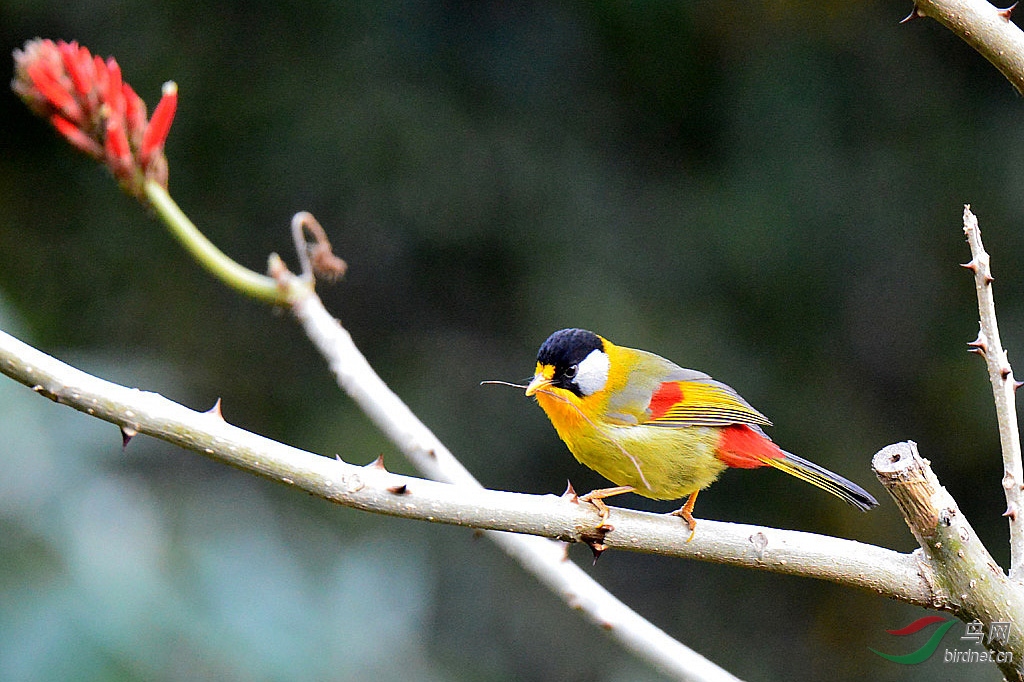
(541, 378)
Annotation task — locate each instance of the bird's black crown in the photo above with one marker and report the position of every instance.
(568, 347)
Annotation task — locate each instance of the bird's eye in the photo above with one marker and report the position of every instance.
(571, 370)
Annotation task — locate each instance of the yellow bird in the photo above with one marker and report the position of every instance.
(654, 428)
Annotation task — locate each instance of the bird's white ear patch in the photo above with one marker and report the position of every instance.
(592, 374)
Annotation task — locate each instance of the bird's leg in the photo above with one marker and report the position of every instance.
(686, 513)
(596, 498)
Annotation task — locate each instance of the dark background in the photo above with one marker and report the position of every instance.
(768, 191)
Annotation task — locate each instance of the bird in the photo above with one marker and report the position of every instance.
(657, 429)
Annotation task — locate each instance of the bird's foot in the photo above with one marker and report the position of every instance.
(686, 514)
(596, 498)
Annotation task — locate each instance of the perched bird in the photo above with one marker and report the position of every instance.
(657, 429)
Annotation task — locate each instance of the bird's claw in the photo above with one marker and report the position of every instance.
(686, 514)
(602, 509)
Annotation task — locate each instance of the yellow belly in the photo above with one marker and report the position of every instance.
(660, 463)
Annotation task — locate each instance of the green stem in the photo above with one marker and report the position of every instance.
(236, 276)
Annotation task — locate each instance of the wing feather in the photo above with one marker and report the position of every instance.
(702, 402)
(661, 393)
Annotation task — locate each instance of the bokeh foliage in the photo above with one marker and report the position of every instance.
(770, 192)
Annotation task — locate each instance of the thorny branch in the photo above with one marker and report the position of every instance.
(954, 573)
(1004, 387)
(372, 488)
(966, 583)
(545, 559)
(984, 27)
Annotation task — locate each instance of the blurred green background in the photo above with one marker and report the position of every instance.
(768, 191)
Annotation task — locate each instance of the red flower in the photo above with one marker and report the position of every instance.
(87, 102)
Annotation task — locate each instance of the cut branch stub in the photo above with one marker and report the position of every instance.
(910, 481)
(966, 580)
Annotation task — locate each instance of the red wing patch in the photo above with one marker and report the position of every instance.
(700, 403)
(668, 394)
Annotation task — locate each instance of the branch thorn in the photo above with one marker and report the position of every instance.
(399, 489)
(1005, 13)
(979, 346)
(598, 548)
(570, 493)
(1011, 512)
(127, 433)
(915, 13)
(376, 464)
(972, 265)
(215, 411)
(595, 539)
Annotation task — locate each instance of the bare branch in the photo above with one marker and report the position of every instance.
(953, 572)
(876, 569)
(372, 488)
(431, 457)
(985, 28)
(1004, 387)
